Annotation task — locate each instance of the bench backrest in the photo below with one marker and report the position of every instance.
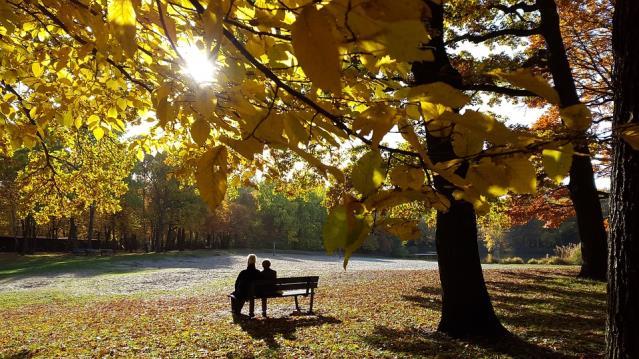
(282, 284)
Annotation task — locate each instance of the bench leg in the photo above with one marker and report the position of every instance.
(310, 309)
(264, 307)
(252, 308)
(297, 304)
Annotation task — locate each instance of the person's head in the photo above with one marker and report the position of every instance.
(251, 259)
(266, 264)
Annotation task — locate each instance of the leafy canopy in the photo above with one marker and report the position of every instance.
(292, 76)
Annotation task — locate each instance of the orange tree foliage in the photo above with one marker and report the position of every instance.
(292, 76)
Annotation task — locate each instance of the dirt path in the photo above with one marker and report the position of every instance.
(184, 272)
(177, 273)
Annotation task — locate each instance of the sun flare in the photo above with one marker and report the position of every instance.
(198, 64)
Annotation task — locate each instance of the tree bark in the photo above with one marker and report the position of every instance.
(73, 233)
(583, 191)
(622, 332)
(466, 307)
(91, 220)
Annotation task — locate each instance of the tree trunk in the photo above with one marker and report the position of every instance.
(91, 220)
(622, 332)
(466, 307)
(583, 191)
(14, 228)
(73, 233)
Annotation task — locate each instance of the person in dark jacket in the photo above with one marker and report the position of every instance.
(267, 274)
(243, 284)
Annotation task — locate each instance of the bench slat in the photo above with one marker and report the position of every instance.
(292, 286)
(293, 280)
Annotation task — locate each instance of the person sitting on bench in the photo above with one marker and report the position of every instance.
(243, 284)
(267, 274)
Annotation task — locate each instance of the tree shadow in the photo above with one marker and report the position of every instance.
(268, 328)
(434, 344)
(51, 266)
(535, 309)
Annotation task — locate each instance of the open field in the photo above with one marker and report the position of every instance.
(147, 305)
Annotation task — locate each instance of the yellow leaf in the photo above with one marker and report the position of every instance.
(402, 39)
(247, 148)
(92, 120)
(316, 49)
(367, 173)
(404, 229)
(347, 227)
(439, 92)
(37, 69)
(294, 130)
(121, 16)
(557, 162)
(406, 177)
(527, 80)
(466, 142)
(140, 155)
(631, 136)
(383, 199)
(396, 10)
(521, 174)
(98, 132)
(378, 119)
(67, 119)
(488, 178)
(576, 117)
(112, 112)
(200, 131)
(211, 176)
(122, 104)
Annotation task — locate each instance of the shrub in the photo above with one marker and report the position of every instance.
(490, 259)
(512, 260)
(554, 260)
(570, 253)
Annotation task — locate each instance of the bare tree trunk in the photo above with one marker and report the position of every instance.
(73, 233)
(622, 331)
(583, 191)
(14, 228)
(91, 220)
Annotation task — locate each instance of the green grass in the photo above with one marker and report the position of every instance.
(359, 314)
(41, 264)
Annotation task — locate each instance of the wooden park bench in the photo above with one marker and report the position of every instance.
(89, 251)
(279, 288)
(427, 255)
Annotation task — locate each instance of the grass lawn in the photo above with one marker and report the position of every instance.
(359, 314)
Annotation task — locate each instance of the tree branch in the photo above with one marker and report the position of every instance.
(479, 38)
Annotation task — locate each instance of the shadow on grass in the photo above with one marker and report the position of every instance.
(434, 344)
(267, 328)
(569, 314)
(82, 266)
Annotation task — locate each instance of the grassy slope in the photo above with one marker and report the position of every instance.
(360, 314)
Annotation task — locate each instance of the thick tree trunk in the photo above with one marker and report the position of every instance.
(466, 307)
(592, 232)
(583, 192)
(622, 334)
